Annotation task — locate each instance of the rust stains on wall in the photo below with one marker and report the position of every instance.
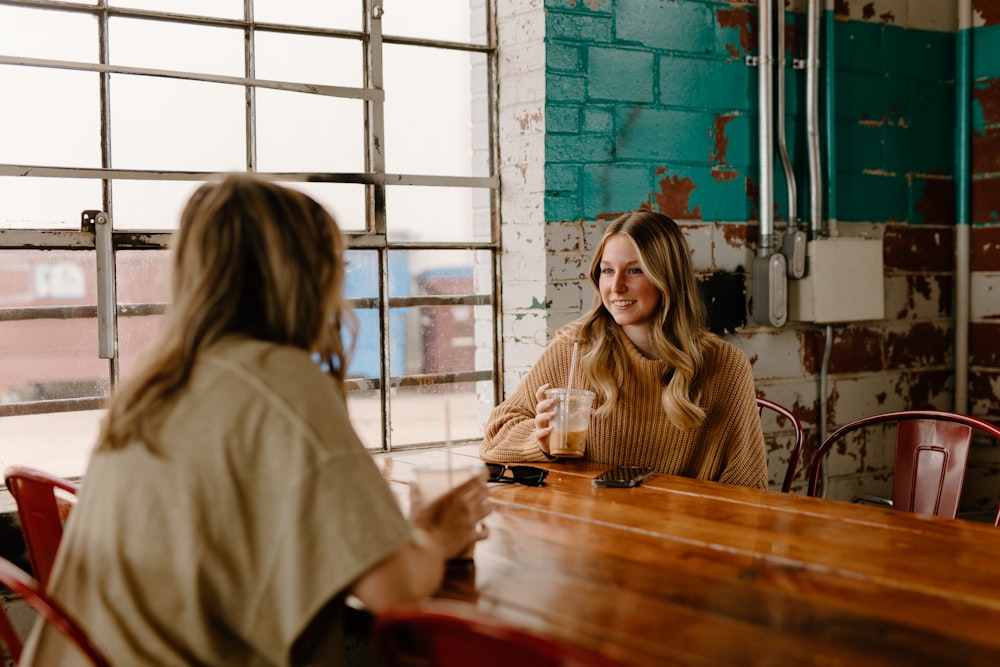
(674, 197)
(983, 348)
(989, 10)
(735, 235)
(841, 9)
(856, 350)
(988, 95)
(927, 288)
(937, 203)
(740, 19)
(986, 150)
(918, 248)
(923, 390)
(985, 198)
(720, 141)
(986, 249)
(922, 345)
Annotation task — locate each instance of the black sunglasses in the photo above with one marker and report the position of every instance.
(518, 474)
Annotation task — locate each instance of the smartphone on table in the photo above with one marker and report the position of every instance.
(625, 476)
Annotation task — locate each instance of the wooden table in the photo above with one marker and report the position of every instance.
(686, 572)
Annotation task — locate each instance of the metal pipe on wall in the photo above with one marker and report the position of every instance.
(829, 22)
(963, 101)
(765, 87)
(768, 279)
(817, 227)
(786, 161)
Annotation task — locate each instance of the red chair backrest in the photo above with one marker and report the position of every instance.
(452, 634)
(31, 592)
(793, 456)
(42, 510)
(932, 450)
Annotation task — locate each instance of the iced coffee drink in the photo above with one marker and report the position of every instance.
(570, 422)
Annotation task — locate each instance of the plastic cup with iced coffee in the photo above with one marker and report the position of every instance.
(570, 422)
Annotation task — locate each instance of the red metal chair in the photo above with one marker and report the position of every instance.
(43, 504)
(932, 449)
(793, 455)
(446, 633)
(31, 592)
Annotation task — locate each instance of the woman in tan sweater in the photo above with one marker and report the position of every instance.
(670, 395)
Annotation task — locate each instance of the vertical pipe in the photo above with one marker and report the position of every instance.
(765, 85)
(963, 77)
(812, 121)
(830, 21)
(786, 161)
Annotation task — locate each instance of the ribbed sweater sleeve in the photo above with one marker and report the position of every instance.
(727, 447)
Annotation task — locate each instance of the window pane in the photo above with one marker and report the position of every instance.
(455, 215)
(419, 413)
(230, 9)
(181, 125)
(143, 278)
(302, 132)
(363, 281)
(70, 36)
(448, 20)
(38, 203)
(308, 59)
(346, 201)
(58, 443)
(343, 14)
(154, 44)
(51, 357)
(56, 120)
(430, 89)
(132, 209)
(365, 410)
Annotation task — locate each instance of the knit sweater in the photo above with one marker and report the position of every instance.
(727, 447)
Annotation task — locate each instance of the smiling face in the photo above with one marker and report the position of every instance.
(630, 297)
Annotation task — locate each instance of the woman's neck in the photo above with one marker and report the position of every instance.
(640, 337)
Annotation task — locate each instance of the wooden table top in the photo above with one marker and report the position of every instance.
(687, 572)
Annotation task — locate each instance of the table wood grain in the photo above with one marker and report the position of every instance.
(688, 572)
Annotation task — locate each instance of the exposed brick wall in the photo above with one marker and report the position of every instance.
(652, 104)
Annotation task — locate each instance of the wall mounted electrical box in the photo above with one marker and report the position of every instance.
(844, 282)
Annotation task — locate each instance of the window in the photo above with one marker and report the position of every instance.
(382, 110)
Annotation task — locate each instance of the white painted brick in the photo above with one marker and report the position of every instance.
(775, 353)
(523, 295)
(566, 298)
(564, 236)
(933, 15)
(700, 239)
(566, 267)
(985, 288)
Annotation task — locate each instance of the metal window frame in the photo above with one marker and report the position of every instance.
(97, 232)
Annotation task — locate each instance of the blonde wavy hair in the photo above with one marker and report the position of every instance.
(251, 258)
(680, 327)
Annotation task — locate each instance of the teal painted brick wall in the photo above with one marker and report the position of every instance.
(665, 96)
(653, 104)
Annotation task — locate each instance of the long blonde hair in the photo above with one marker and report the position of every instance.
(252, 258)
(666, 261)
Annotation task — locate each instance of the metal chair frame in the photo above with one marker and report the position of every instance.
(796, 452)
(29, 589)
(932, 449)
(42, 512)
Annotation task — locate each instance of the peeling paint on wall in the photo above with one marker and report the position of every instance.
(922, 345)
(986, 249)
(740, 19)
(989, 10)
(856, 350)
(720, 140)
(937, 203)
(988, 95)
(674, 197)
